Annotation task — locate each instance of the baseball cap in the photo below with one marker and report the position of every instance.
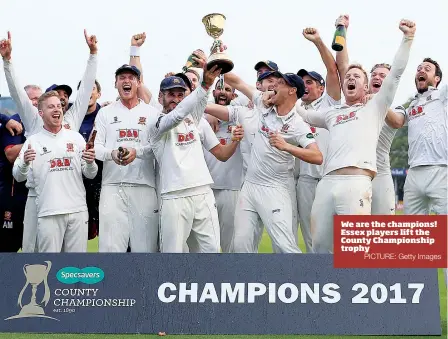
(185, 79)
(173, 82)
(316, 76)
(266, 74)
(294, 80)
(128, 68)
(65, 88)
(268, 63)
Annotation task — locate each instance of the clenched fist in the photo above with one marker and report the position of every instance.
(89, 155)
(407, 27)
(311, 34)
(91, 42)
(138, 39)
(6, 48)
(29, 155)
(343, 20)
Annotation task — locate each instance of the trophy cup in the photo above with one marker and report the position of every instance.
(214, 25)
(35, 275)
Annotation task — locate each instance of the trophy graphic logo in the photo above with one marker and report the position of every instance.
(214, 25)
(35, 276)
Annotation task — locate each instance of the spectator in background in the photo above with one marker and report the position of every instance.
(10, 230)
(92, 186)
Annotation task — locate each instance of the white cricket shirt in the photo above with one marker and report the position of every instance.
(321, 135)
(56, 173)
(226, 175)
(116, 126)
(427, 128)
(176, 142)
(268, 165)
(354, 130)
(248, 118)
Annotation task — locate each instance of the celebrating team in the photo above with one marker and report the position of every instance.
(186, 174)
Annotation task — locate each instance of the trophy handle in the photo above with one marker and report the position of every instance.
(46, 297)
(19, 300)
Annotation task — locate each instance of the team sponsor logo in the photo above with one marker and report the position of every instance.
(142, 121)
(45, 150)
(61, 164)
(285, 128)
(188, 121)
(416, 112)
(128, 134)
(61, 300)
(70, 147)
(310, 136)
(67, 126)
(344, 118)
(184, 139)
(265, 130)
(115, 121)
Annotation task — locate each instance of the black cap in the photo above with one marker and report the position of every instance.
(173, 82)
(314, 75)
(294, 80)
(268, 63)
(65, 88)
(128, 68)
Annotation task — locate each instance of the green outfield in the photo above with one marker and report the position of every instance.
(265, 247)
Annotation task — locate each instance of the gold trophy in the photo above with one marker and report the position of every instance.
(35, 275)
(214, 25)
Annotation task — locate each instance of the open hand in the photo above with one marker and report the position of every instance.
(276, 140)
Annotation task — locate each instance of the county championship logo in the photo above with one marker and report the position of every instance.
(35, 275)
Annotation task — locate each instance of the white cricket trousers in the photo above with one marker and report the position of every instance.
(193, 218)
(63, 232)
(425, 190)
(383, 195)
(273, 206)
(129, 215)
(226, 203)
(337, 195)
(306, 191)
(29, 239)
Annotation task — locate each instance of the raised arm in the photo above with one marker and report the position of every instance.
(27, 112)
(342, 60)
(76, 113)
(333, 86)
(312, 117)
(137, 41)
(218, 111)
(384, 98)
(237, 83)
(396, 118)
(193, 104)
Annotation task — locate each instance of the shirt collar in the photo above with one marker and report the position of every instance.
(52, 134)
(287, 116)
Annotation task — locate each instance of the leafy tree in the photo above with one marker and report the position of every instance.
(399, 148)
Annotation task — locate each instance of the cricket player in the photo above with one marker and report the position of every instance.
(188, 206)
(128, 209)
(227, 177)
(350, 165)
(266, 193)
(383, 191)
(316, 97)
(32, 121)
(54, 160)
(425, 188)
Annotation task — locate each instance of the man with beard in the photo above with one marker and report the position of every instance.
(54, 161)
(270, 170)
(227, 177)
(425, 189)
(318, 96)
(128, 209)
(188, 205)
(350, 165)
(32, 121)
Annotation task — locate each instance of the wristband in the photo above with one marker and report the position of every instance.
(135, 51)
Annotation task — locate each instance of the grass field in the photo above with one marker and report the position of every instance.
(265, 247)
